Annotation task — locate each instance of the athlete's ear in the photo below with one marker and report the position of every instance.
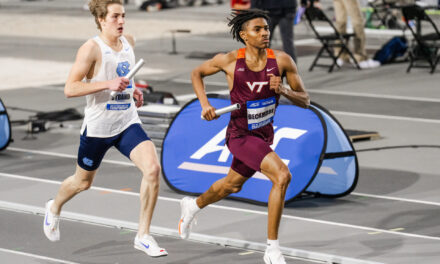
(101, 20)
(243, 35)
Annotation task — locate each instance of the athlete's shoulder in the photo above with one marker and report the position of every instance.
(225, 58)
(284, 60)
(281, 55)
(131, 39)
(89, 48)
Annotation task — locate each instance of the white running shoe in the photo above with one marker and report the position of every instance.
(374, 63)
(340, 62)
(148, 245)
(273, 256)
(51, 223)
(369, 64)
(186, 217)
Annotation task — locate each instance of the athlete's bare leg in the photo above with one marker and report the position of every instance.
(232, 183)
(145, 158)
(274, 168)
(80, 181)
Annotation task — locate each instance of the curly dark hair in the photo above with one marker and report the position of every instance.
(239, 18)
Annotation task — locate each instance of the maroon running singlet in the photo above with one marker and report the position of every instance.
(250, 131)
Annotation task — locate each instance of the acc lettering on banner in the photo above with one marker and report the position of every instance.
(255, 84)
(213, 145)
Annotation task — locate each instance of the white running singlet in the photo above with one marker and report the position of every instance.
(104, 117)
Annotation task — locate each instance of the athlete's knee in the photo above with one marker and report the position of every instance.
(151, 169)
(85, 185)
(82, 184)
(151, 172)
(283, 177)
(231, 188)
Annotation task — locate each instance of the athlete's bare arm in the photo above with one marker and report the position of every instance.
(86, 60)
(130, 40)
(137, 94)
(220, 62)
(296, 92)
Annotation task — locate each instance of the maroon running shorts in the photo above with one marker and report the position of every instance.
(248, 151)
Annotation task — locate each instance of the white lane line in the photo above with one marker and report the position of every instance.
(216, 240)
(187, 97)
(395, 198)
(319, 91)
(369, 31)
(400, 118)
(381, 96)
(56, 154)
(299, 42)
(36, 256)
(369, 229)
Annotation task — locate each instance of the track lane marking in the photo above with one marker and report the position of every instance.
(36, 256)
(56, 154)
(318, 91)
(290, 217)
(310, 256)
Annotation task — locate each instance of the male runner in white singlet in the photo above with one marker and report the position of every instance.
(104, 61)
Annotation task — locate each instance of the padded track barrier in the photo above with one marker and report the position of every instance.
(310, 141)
(5, 127)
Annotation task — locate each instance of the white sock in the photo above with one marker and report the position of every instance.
(194, 207)
(273, 243)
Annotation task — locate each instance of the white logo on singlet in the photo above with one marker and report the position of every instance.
(259, 84)
(270, 69)
(240, 69)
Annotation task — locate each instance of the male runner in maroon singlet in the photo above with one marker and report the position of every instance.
(254, 76)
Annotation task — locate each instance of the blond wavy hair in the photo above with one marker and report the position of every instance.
(98, 8)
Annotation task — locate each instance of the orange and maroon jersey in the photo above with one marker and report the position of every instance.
(258, 102)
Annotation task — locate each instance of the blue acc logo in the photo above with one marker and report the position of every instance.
(195, 156)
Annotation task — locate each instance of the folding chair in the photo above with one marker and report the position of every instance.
(425, 47)
(328, 41)
(382, 15)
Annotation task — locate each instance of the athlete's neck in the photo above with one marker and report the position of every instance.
(255, 54)
(111, 41)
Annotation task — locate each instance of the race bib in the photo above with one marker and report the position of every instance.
(121, 101)
(118, 107)
(260, 112)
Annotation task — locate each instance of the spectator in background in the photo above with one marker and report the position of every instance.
(281, 12)
(307, 3)
(343, 9)
(240, 4)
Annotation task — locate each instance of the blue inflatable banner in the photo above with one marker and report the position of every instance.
(339, 171)
(5, 127)
(310, 141)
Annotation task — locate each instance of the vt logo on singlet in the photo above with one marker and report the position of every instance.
(256, 84)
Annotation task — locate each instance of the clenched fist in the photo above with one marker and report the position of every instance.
(276, 84)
